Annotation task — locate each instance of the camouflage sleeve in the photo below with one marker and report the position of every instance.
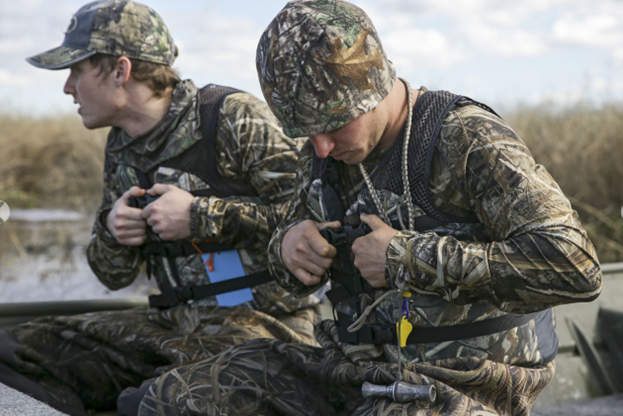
(539, 257)
(114, 264)
(297, 212)
(250, 146)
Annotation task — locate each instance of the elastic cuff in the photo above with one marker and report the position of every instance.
(197, 206)
(396, 270)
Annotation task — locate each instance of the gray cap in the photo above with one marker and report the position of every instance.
(112, 27)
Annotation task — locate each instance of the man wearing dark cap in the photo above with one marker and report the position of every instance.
(195, 181)
(461, 245)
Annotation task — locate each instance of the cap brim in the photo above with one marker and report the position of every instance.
(59, 58)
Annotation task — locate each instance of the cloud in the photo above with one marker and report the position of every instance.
(598, 29)
(497, 41)
(217, 42)
(421, 48)
(500, 28)
(472, 27)
(500, 12)
(13, 79)
(215, 47)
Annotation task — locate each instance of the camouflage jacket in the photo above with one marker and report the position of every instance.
(526, 252)
(249, 145)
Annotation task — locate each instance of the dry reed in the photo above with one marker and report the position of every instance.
(50, 162)
(581, 148)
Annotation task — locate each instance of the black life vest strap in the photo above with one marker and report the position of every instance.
(210, 99)
(171, 249)
(182, 294)
(182, 249)
(346, 286)
(378, 334)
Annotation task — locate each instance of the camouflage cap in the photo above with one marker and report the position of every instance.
(113, 27)
(321, 64)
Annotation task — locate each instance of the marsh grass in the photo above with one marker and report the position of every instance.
(50, 162)
(56, 162)
(582, 148)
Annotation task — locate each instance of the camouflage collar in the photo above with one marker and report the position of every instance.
(167, 139)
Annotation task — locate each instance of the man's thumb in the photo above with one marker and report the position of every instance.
(372, 220)
(158, 189)
(133, 191)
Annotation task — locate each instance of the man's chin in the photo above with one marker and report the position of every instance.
(350, 158)
(353, 160)
(91, 125)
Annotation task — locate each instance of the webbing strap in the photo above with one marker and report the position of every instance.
(347, 285)
(182, 294)
(177, 249)
(377, 334)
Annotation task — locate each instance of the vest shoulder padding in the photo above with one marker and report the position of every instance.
(200, 159)
(428, 114)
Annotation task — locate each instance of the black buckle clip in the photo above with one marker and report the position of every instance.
(184, 293)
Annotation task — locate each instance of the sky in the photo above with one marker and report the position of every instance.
(498, 52)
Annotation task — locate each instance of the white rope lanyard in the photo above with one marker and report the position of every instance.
(405, 169)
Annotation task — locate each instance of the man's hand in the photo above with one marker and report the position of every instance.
(306, 253)
(169, 215)
(370, 250)
(126, 223)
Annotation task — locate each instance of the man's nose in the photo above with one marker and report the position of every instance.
(323, 144)
(69, 87)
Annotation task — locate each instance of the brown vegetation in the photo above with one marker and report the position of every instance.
(56, 162)
(581, 147)
(50, 162)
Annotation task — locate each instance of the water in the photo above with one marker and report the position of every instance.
(42, 258)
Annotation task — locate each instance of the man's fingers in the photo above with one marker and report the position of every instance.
(133, 241)
(304, 258)
(332, 224)
(321, 247)
(133, 191)
(306, 278)
(158, 189)
(132, 215)
(133, 232)
(136, 191)
(146, 215)
(373, 221)
(130, 220)
(316, 268)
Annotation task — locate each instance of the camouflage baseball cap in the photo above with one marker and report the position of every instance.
(113, 27)
(321, 64)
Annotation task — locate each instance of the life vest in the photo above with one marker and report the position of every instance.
(200, 160)
(428, 115)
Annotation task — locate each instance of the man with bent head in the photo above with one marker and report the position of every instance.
(469, 243)
(223, 171)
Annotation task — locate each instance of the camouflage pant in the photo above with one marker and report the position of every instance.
(270, 377)
(88, 360)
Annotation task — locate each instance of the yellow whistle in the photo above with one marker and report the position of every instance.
(404, 328)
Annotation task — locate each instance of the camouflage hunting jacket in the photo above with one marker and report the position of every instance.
(249, 145)
(526, 251)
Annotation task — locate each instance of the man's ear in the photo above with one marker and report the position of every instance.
(123, 70)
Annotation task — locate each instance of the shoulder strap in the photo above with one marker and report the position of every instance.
(428, 117)
(211, 98)
(429, 113)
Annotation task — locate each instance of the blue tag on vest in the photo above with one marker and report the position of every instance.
(227, 265)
